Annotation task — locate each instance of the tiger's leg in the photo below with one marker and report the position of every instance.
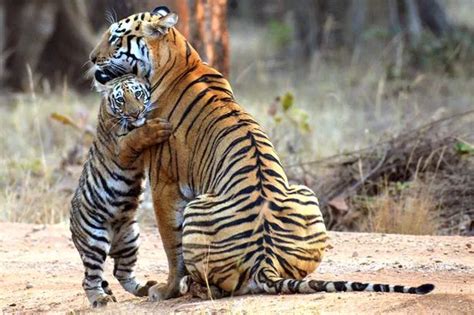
(124, 251)
(168, 206)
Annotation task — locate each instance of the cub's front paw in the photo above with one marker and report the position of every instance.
(103, 300)
(155, 131)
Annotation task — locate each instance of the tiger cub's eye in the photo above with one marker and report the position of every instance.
(138, 94)
(120, 100)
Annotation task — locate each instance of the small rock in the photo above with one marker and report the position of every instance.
(355, 254)
(44, 308)
(12, 304)
(438, 261)
(29, 285)
(468, 245)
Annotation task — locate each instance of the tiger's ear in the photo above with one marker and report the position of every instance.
(160, 25)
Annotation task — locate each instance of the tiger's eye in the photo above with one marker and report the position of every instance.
(138, 94)
(120, 100)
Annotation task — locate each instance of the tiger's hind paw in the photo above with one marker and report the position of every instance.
(185, 284)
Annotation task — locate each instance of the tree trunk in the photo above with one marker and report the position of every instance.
(355, 21)
(54, 44)
(433, 15)
(413, 22)
(208, 32)
(3, 33)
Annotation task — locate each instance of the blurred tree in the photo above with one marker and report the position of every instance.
(54, 37)
(334, 23)
(208, 32)
(51, 37)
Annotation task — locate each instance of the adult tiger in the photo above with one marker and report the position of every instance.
(225, 210)
(103, 209)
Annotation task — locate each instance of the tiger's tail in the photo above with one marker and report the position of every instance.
(269, 281)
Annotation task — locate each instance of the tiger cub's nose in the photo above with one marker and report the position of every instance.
(135, 114)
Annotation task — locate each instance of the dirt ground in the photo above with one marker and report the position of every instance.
(41, 271)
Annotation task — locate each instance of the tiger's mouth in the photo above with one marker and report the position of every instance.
(103, 76)
(105, 73)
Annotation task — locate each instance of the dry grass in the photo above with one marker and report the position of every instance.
(32, 188)
(413, 211)
(34, 200)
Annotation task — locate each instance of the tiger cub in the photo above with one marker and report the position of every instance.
(103, 209)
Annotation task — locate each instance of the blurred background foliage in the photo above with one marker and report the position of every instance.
(368, 102)
(54, 37)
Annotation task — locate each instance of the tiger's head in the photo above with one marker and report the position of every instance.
(125, 46)
(127, 101)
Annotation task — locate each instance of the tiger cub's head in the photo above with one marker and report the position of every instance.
(127, 100)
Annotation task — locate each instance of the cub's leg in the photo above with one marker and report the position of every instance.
(169, 206)
(124, 251)
(93, 253)
(131, 146)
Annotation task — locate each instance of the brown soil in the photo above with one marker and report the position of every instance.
(41, 271)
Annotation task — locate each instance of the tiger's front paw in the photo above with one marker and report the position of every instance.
(162, 291)
(144, 290)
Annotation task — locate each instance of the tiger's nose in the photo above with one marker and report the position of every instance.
(93, 57)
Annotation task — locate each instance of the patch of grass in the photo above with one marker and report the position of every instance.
(403, 208)
(32, 145)
(33, 199)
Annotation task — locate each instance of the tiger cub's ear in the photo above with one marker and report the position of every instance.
(160, 25)
(103, 89)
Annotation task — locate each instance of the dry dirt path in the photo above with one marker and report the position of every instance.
(41, 271)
